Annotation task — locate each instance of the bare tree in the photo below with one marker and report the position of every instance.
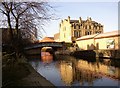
(24, 19)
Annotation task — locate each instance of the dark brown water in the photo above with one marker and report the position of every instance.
(64, 70)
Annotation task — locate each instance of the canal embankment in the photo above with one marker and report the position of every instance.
(19, 73)
(110, 54)
(101, 53)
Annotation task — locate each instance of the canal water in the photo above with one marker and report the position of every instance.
(65, 70)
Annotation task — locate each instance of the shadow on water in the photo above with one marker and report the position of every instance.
(88, 55)
(111, 62)
(115, 63)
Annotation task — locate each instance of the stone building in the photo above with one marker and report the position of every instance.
(72, 29)
(103, 41)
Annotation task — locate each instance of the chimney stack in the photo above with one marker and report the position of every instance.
(80, 19)
(69, 19)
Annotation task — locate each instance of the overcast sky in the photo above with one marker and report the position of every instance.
(105, 13)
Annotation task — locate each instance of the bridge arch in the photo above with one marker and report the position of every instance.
(35, 49)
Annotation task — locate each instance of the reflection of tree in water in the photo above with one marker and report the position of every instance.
(66, 72)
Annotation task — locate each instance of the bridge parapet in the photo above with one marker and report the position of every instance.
(46, 44)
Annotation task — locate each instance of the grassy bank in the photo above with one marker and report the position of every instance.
(18, 72)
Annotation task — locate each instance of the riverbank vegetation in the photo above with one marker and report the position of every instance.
(13, 70)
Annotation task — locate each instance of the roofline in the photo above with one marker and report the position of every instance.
(107, 36)
(87, 38)
(98, 37)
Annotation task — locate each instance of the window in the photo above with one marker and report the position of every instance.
(88, 33)
(79, 33)
(110, 44)
(89, 27)
(74, 26)
(76, 33)
(79, 26)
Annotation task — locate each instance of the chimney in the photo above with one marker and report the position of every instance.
(61, 21)
(90, 19)
(80, 19)
(69, 19)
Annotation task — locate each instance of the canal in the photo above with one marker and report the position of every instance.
(65, 70)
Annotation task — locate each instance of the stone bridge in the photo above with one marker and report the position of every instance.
(35, 49)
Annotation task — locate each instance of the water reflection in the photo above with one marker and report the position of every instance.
(71, 71)
(66, 71)
(46, 57)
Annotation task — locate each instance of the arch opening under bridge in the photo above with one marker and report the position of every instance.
(35, 49)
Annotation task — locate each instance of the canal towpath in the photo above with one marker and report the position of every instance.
(21, 74)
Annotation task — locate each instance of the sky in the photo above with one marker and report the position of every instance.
(105, 13)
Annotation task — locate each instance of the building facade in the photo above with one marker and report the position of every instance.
(72, 29)
(103, 41)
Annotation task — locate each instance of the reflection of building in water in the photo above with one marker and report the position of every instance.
(69, 74)
(85, 72)
(84, 76)
(66, 71)
(99, 68)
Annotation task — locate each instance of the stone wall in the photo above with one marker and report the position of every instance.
(86, 54)
(108, 53)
